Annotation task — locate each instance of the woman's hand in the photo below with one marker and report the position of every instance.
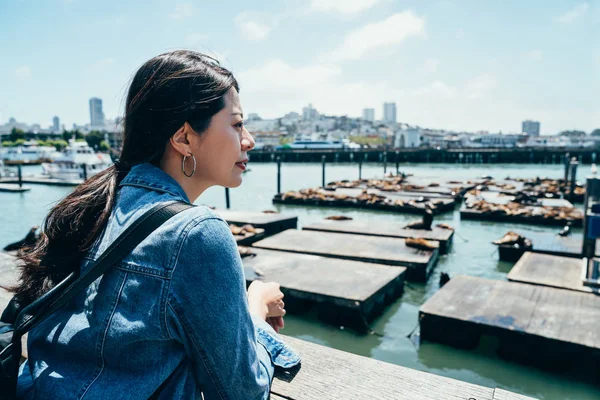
(266, 301)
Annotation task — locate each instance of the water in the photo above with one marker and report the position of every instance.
(473, 254)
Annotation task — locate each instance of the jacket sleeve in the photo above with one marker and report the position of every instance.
(233, 353)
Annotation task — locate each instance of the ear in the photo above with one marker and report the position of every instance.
(181, 140)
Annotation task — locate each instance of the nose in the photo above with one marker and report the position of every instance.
(247, 140)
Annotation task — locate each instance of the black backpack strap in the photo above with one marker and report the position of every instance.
(66, 290)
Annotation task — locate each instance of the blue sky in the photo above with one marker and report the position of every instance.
(452, 64)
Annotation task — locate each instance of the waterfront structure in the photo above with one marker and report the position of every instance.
(96, 113)
(389, 112)
(369, 114)
(532, 128)
(407, 138)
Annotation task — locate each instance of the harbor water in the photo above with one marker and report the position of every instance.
(472, 254)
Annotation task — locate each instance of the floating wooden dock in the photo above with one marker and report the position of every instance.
(347, 293)
(42, 181)
(466, 213)
(552, 328)
(444, 236)
(271, 223)
(326, 373)
(552, 271)
(380, 250)
(12, 188)
(547, 243)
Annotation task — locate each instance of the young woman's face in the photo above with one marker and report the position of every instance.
(222, 151)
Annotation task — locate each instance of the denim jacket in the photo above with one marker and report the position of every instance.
(170, 321)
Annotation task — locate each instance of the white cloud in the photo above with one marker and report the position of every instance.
(391, 31)
(535, 55)
(182, 11)
(573, 14)
(436, 90)
(342, 6)
(23, 72)
(431, 65)
(277, 75)
(193, 39)
(254, 26)
(475, 88)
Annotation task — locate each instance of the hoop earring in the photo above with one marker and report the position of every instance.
(183, 166)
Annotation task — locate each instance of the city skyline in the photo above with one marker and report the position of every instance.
(461, 66)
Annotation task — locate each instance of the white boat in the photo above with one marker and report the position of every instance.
(28, 153)
(70, 165)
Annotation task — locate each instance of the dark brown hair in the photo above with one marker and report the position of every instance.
(167, 91)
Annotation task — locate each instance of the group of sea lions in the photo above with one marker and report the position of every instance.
(364, 198)
(244, 230)
(524, 210)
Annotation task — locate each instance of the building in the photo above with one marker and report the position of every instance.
(309, 113)
(369, 114)
(266, 140)
(56, 124)
(532, 128)
(407, 138)
(389, 112)
(96, 113)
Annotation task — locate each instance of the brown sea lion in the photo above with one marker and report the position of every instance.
(425, 223)
(445, 226)
(422, 244)
(339, 218)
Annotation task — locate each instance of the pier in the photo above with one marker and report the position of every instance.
(327, 373)
(552, 328)
(382, 229)
(379, 250)
(272, 223)
(347, 293)
(552, 271)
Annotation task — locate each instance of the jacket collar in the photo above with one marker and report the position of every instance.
(149, 176)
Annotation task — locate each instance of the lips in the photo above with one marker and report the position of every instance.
(242, 164)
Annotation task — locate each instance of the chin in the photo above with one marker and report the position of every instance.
(234, 182)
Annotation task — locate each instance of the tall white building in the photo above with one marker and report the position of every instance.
(55, 124)
(532, 128)
(389, 112)
(96, 113)
(369, 114)
(309, 113)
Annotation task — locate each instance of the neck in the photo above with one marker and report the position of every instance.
(193, 186)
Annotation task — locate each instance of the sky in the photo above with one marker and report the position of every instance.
(463, 65)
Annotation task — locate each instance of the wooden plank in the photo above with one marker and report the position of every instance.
(550, 327)
(344, 292)
(549, 270)
(12, 188)
(380, 250)
(500, 394)
(326, 373)
(395, 230)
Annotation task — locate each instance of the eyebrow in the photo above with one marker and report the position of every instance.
(240, 114)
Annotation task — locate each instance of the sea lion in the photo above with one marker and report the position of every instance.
(444, 278)
(566, 230)
(270, 212)
(422, 244)
(445, 226)
(425, 223)
(339, 218)
(29, 240)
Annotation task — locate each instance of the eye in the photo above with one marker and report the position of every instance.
(239, 125)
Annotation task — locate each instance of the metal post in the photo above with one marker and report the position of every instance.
(278, 174)
(384, 162)
(360, 168)
(574, 165)
(20, 175)
(592, 187)
(566, 162)
(84, 166)
(323, 173)
(397, 162)
(227, 203)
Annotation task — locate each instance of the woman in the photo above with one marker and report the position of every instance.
(173, 319)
